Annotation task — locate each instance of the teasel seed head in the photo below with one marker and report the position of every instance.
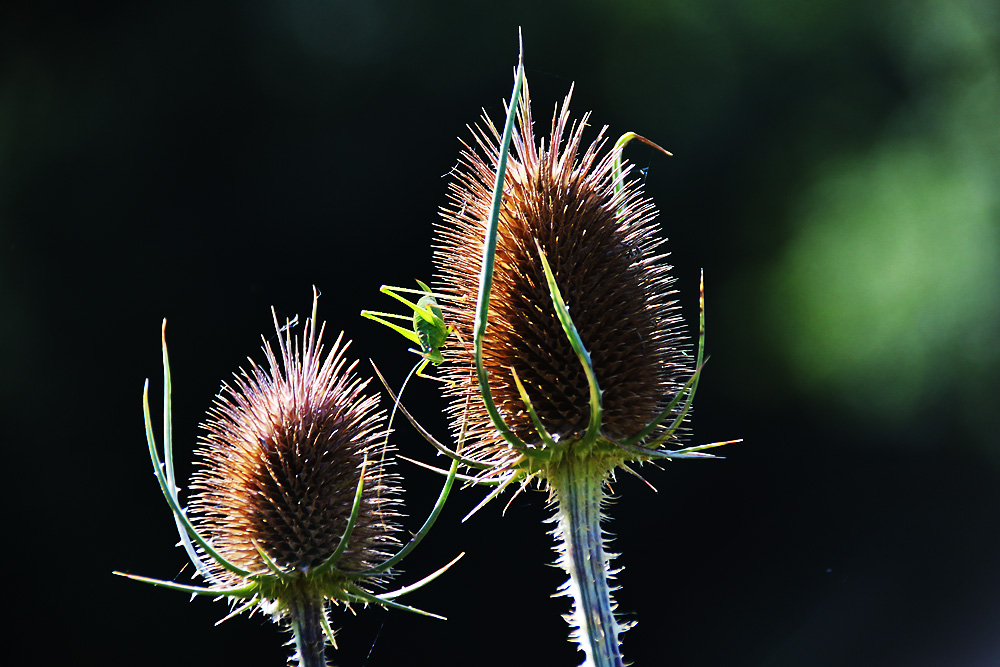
(282, 457)
(294, 509)
(601, 243)
(570, 360)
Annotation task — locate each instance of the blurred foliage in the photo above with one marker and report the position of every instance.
(886, 299)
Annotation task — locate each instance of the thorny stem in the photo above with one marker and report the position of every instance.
(306, 618)
(578, 484)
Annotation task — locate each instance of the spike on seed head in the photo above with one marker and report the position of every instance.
(281, 459)
(603, 249)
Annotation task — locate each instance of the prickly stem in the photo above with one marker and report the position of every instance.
(578, 485)
(306, 617)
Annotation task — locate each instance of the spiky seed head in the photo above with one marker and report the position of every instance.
(604, 251)
(281, 458)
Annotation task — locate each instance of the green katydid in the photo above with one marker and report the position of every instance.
(429, 332)
(429, 329)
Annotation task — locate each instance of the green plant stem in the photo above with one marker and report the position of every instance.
(306, 618)
(578, 484)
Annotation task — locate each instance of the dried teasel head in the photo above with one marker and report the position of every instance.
(599, 237)
(281, 459)
(294, 508)
(570, 360)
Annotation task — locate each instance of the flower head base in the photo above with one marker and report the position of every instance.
(295, 510)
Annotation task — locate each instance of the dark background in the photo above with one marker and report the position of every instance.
(835, 173)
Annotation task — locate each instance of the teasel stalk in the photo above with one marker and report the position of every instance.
(295, 509)
(575, 348)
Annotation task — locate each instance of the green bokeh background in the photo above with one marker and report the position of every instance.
(835, 172)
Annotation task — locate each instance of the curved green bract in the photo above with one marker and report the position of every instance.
(689, 389)
(543, 433)
(168, 487)
(331, 562)
(168, 454)
(420, 584)
(562, 312)
(489, 256)
(418, 537)
(617, 175)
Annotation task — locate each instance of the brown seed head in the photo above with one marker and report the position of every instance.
(281, 459)
(603, 250)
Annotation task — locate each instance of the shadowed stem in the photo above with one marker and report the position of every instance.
(578, 485)
(306, 618)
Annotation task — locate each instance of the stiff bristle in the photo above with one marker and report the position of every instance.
(602, 247)
(281, 460)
